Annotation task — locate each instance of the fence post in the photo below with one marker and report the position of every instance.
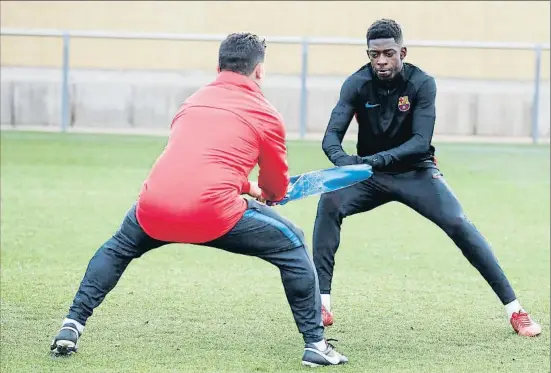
(304, 90)
(536, 100)
(65, 83)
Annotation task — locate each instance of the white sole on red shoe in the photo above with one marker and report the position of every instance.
(529, 332)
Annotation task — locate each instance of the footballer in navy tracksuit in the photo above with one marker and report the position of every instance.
(394, 105)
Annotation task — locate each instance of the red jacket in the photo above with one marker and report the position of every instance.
(193, 192)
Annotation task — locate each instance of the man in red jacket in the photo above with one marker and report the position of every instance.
(194, 194)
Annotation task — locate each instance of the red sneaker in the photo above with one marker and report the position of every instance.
(326, 317)
(524, 325)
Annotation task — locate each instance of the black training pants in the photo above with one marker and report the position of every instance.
(423, 190)
(261, 232)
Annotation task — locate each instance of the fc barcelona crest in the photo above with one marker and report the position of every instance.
(403, 103)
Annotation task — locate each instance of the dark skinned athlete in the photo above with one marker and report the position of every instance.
(394, 105)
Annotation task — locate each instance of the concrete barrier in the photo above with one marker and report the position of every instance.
(6, 103)
(148, 100)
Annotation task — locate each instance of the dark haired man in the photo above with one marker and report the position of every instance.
(394, 105)
(193, 194)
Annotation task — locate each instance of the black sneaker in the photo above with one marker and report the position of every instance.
(66, 340)
(316, 358)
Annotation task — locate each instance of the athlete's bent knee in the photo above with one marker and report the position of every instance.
(305, 281)
(330, 205)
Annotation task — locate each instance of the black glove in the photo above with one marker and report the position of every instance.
(376, 161)
(348, 160)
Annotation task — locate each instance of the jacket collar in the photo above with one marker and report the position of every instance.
(396, 81)
(229, 77)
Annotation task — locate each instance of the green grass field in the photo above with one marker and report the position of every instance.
(404, 297)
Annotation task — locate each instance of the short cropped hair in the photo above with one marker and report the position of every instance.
(385, 29)
(241, 52)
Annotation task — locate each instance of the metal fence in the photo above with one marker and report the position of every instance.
(304, 42)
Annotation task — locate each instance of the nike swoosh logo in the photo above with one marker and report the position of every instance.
(370, 106)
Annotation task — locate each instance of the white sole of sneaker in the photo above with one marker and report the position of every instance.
(311, 365)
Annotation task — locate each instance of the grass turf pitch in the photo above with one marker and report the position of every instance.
(404, 297)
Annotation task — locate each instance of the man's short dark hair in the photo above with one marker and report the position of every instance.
(241, 52)
(385, 29)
